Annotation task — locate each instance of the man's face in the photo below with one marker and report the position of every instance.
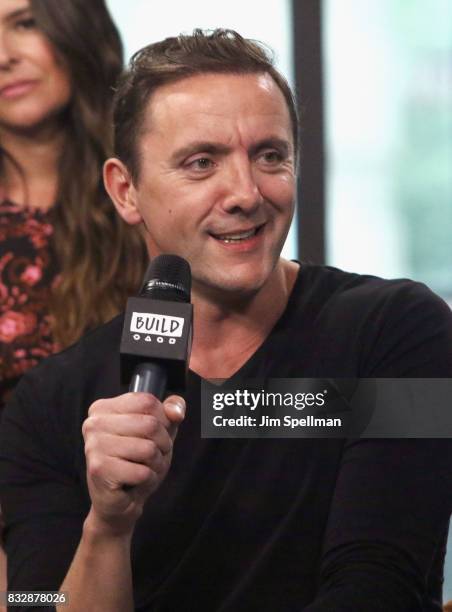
(217, 179)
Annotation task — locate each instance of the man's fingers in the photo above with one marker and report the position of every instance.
(171, 411)
(128, 444)
(134, 426)
(128, 403)
(140, 450)
(112, 473)
(174, 408)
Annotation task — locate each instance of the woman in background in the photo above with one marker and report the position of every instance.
(67, 261)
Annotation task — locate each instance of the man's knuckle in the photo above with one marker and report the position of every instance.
(95, 407)
(90, 425)
(152, 449)
(85, 429)
(152, 424)
(144, 473)
(95, 465)
(145, 401)
(169, 446)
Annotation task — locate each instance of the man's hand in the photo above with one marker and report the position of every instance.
(128, 448)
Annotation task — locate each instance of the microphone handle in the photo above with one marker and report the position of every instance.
(150, 377)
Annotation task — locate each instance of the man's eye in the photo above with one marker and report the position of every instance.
(202, 163)
(272, 157)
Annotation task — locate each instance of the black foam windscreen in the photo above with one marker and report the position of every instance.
(167, 278)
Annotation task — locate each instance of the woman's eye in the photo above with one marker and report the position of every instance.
(25, 24)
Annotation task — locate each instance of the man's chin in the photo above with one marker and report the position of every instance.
(229, 289)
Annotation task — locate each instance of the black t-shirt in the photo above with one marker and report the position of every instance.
(253, 524)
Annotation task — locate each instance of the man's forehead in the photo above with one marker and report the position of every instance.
(206, 96)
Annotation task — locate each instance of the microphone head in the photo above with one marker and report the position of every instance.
(158, 323)
(168, 278)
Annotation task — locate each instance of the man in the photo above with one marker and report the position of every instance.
(129, 516)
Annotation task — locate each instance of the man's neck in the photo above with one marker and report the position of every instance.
(226, 337)
(37, 155)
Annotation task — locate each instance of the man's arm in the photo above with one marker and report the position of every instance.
(390, 510)
(387, 526)
(128, 447)
(100, 576)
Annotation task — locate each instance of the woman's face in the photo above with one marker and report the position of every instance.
(34, 84)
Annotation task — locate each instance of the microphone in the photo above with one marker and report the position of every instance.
(157, 333)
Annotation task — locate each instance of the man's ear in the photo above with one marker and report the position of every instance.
(120, 188)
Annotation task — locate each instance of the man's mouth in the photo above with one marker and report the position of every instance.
(237, 236)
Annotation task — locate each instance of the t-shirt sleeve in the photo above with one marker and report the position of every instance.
(385, 539)
(387, 527)
(41, 497)
(408, 335)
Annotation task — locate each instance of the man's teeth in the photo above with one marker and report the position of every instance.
(237, 237)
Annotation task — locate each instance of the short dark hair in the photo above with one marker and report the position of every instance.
(176, 58)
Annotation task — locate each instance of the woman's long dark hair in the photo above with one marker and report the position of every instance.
(101, 260)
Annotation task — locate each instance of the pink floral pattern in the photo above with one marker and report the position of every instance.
(27, 274)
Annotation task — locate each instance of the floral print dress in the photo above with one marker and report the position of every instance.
(28, 272)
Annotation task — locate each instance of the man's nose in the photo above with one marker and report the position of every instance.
(242, 192)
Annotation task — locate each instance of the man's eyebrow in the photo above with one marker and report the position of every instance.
(199, 146)
(272, 143)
